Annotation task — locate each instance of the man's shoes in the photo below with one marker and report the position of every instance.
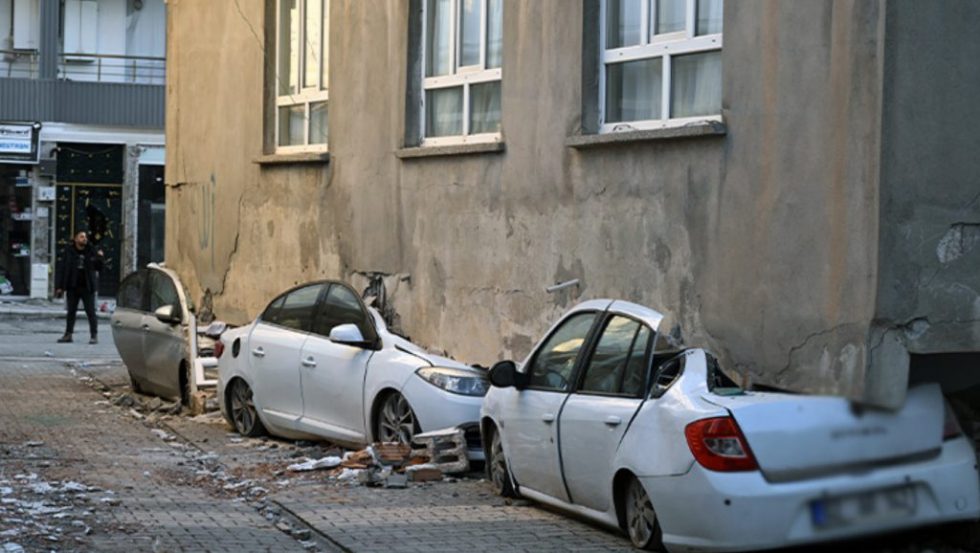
(93, 340)
(66, 339)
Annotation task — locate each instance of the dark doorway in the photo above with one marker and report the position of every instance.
(150, 216)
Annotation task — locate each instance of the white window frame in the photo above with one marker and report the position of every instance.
(461, 76)
(664, 46)
(307, 95)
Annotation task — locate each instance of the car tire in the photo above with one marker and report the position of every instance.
(642, 525)
(396, 421)
(241, 407)
(497, 469)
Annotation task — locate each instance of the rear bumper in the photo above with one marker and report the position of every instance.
(711, 511)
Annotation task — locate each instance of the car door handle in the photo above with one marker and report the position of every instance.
(146, 328)
(613, 420)
(548, 418)
(258, 352)
(309, 362)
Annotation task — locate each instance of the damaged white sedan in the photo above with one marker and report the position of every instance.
(607, 420)
(319, 363)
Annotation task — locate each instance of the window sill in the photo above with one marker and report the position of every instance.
(450, 150)
(300, 157)
(707, 128)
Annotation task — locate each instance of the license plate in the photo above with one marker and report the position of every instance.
(863, 508)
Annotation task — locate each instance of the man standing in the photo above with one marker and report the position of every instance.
(79, 280)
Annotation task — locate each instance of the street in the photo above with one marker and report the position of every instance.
(86, 467)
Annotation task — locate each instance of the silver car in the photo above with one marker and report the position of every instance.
(151, 329)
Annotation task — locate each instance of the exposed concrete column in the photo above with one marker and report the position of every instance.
(49, 47)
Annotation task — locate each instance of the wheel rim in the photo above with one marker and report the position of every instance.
(640, 517)
(243, 408)
(498, 465)
(397, 422)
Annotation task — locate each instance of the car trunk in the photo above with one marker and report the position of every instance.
(794, 437)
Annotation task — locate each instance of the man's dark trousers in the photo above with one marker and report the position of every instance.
(88, 299)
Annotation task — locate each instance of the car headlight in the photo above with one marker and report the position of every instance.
(457, 381)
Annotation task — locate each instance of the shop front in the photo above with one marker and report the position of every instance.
(18, 159)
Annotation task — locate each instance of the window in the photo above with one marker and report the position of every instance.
(298, 307)
(162, 291)
(461, 54)
(340, 307)
(271, 313)
(131, 291)
(618, 363)
(302, 44)
(660, 63)
(552, 367)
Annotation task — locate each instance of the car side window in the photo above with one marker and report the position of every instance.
(617, 361)
(297, 309)
(341, 306)
(271, 313)
(552, 366)
(131, 291)
(162, 291)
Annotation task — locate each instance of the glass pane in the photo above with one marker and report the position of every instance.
(495, 33)
(325, 55)
(292, 121)
(670, 15)
(130, 295)
(695, 83)
(623, 23)
(341, 307)
(633, 90)
(485, 107)
(444, 112)
(288, 47)
(470, 14)
(318, 123)
(297, 310)
(552, 366)
(271, 313)
(314, 21)
(709, 16)
(611, 354)
(162, 291)
(438, 29)
(636, 368)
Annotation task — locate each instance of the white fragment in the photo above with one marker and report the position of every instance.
(316, 464)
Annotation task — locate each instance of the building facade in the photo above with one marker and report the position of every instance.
(82, 111)
(787, 181)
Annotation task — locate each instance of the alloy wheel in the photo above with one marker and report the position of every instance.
(641, 520)
(397, 420)
(243, 412)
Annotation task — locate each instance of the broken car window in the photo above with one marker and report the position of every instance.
(719, 382)
(552, 367)
(131, 291)
(162, 291)
(607, 366)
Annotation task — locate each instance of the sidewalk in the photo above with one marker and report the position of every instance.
(19, 307)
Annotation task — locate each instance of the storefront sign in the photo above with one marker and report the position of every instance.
(19, 142)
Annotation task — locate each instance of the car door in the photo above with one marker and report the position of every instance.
(332, 375)
(274, 349)
(530, 416)
(127, 323)
(597, 415)
(164, 343)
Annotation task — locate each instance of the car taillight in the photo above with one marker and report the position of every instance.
(219, 348)
(718, 444)
(951, 426)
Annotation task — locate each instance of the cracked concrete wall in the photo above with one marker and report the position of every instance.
(929, 279)
(761, 244)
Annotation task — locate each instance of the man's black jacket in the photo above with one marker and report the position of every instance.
(68, 271)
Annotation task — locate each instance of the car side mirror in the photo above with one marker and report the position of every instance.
(504, 374)
(167, 314)
(348, 334)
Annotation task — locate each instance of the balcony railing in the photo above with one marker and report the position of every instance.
(18, 64)
(112, 68)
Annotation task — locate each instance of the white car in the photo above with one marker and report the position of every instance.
(606, 420)
(319, 363)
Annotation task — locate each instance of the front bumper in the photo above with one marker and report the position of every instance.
(712, 511)
(437, 409)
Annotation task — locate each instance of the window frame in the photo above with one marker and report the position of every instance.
(461, 76)
(306, 96)
(579, 379)
(664, 46)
